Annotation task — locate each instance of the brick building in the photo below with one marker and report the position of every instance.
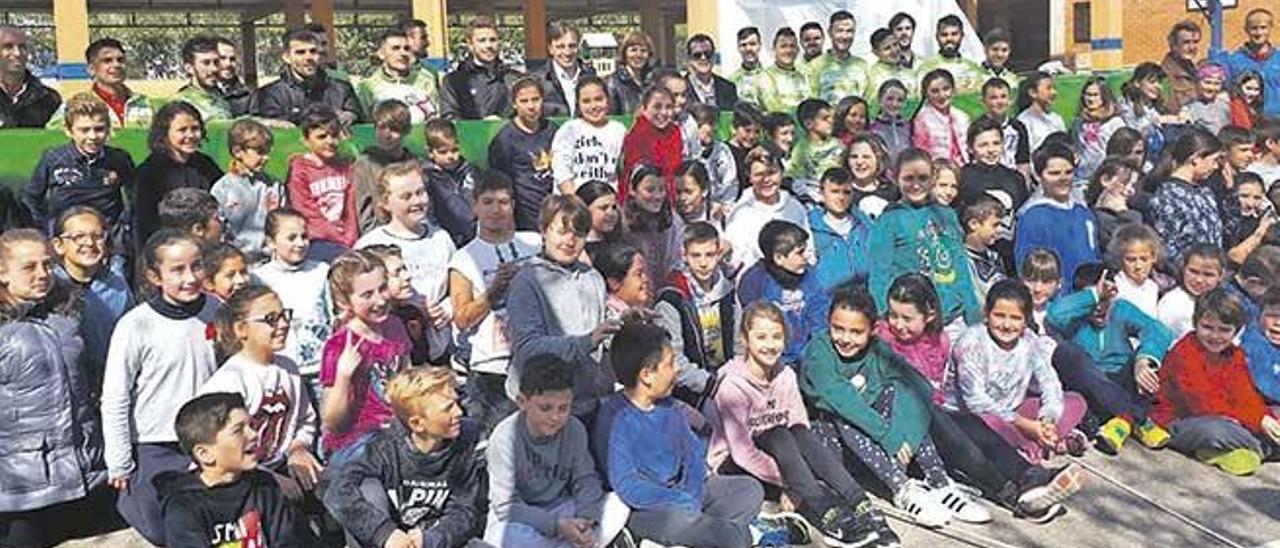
(1145, 26)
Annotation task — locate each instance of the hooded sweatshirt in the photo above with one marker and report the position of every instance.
(660, 148)
(927, 239)
(847, 388)
(942, 133)
(557, 307)
(529, 476)
(441, 492)
(1070, 230)
(747, 406)
(842, 254)
(748, 217)
(527, 159)
(250, 511)
(708, 319)
(449, 190)
(160, 356)
(802, 298)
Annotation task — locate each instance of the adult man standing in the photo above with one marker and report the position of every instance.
(969, 74)
(1260, 55)
(559, 78)
(24, 101)
(400, 78)
(481, 86)
(304, 81)
(839, 73)
(202, 62)
(1180, 64)
(233, 89)
(419, 41)
(706, 86)
(783, 86)
(749, 78)
(811, 40)
(106, 60)
(903, 26)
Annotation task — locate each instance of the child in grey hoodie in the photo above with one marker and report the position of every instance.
(560, 303)
(544, 489)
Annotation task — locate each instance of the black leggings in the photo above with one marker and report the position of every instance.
(813, 473)
(968, 446)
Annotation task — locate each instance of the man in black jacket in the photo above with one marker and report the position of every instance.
(706, 86)
(24, 101)
(563, 71)
(480, 87)
(303, 82)
(237, 94)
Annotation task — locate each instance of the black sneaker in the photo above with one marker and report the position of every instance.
(840, 527)
(886, 537)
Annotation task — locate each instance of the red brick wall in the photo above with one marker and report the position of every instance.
(1147, 24)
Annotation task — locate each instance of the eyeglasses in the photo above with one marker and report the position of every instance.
(274, 318)
(702, 55)
(82, 238)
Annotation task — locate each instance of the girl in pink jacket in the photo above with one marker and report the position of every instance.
(937, 127)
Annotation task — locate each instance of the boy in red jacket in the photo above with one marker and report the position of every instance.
(1207, 399)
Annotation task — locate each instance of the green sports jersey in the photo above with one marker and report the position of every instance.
(211, 105)
(969, 74)
(419, 89)
(138, 112)
(1007, 75)
(880, 72)
(748, 82)
(832, 79)
(781, 90)
(810, 159)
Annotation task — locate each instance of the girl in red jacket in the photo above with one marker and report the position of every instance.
(655, 140)
(1207, 399)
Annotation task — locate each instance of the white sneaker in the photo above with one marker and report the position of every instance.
(962, 506)
(923, 506)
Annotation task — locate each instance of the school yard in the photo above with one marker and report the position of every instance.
(1244, 510)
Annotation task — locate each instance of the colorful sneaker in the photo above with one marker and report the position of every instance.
(1057, 486)
(961, 505)
(841, 527)
(1237, 462)
(1075, 443)
(1112, 434)
(1152, 436)
(784, 529)
(923, 506)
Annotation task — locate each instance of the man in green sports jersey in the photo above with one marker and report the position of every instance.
(887, 67)
(783, 85)
(201, 60)
(748, 78)
(839, 73)
(969, 75)
(401, 78)
(812, 38)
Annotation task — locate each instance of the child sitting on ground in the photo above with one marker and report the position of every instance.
(1120, 379)
(996, 365)
(420, 481)
(981, 219)
(227, 500)
(543, 486)
(1203, 269)
(1135, 250)
(1207, 399)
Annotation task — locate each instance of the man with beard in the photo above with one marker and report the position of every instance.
(202, 62)
(238, 95)
(400, 78)
(903, 26)
(481, 86)
(839, 73)
(327, 59)
(559, 79)
(416, 31)
(750, 77)
(969, 75)
(24, 101)
(706, 86)
(106, 61)
(1258, 54)
(304, 81)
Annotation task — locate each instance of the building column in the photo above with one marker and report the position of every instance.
(1107, 28)
(322, 13)
(651, 23)
(435, 14)
(71, 38)
(293, 14)
(535, 29)
(249, 51)
(1058, 31)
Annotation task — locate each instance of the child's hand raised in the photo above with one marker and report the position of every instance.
(349, 360)
(1106, 288)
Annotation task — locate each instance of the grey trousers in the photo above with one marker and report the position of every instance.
(1214, 433)
(729, 503)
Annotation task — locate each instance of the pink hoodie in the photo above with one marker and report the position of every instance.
(928, 355)
(748, 406)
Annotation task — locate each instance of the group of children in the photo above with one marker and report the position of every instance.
(789, 319)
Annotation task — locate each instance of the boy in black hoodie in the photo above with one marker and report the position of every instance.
(985, 175)
(419, 482)
(228, 501)
(450, 182)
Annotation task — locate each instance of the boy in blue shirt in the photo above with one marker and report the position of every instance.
(841, 233)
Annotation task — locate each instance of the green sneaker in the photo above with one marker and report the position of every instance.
(1152, 436)
(1112, 434)
(1237, 462)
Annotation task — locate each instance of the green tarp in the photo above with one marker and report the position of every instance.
(20, 149)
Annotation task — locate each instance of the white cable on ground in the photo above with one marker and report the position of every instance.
(1193, 523)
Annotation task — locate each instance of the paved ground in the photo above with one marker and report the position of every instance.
(1245, 510)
